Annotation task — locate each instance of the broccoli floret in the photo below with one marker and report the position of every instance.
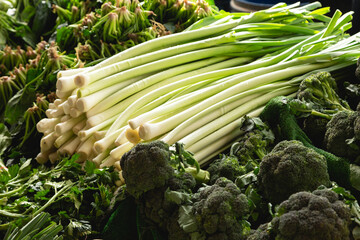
(342, 136)
(291, 167)
(220, 211)
(320, 89)
(319, 215)
(146, 167)
(261, 233)
(227, 166)
(184, 181)
(255, 143)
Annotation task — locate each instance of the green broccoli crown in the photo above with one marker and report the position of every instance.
(227, 166)
(342, 136)
(291, 167)
(312, 216)
(320, 88)
(146, 167)
(319, 215)
(219, 210)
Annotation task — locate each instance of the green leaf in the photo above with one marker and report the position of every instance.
(13, 170)
(187, 220)
(44, 19)
(210, 2)
(2, 39)
(18, 104)
(122, 223)
(32, 74)
(177, 197)
(27, 35)
(27, 13)
(5, 138)
(89, 167)
(25, 168)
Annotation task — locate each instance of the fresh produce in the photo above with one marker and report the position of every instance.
(162, 193)
(157, 177)
(291, 167)
(305, 215)
(13, 32)
(36, 228)
(102, 99)
(133, 101)
(76, 197)
(229, 209)
(28, 90)
(255, 141)
(117, 25)
(29, 70)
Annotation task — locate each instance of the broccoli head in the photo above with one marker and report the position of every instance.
(342, 136)
(320, 89)
(220, 210)
(319, 215)
(227, 166)
(291, 167)
(146, 167)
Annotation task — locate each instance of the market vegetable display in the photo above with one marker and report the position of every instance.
(113, 109)
(174, 120)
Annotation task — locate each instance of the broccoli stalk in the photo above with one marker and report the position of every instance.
(278, 114)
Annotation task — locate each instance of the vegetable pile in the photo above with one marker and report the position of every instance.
(191, 87)
(170, 119)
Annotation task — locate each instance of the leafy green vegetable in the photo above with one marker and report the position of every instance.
(75, 198)
(37, 228)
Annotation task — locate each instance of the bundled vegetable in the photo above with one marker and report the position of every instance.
(192, 87)
(117, 25)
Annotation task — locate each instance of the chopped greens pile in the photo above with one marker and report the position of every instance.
(76, 196)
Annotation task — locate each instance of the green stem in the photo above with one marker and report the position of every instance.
(10, 214)
(52, 199)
